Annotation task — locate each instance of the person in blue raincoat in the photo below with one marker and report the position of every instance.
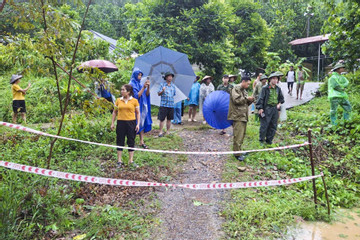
(103, 90)
(193, 99)
(177, 114)
(142, 94)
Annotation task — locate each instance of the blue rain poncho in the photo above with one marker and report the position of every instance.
(193, 95)
(144, 102)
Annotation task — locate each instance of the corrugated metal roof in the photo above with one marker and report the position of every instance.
(105, 38)
(111, 41)
(314, 39)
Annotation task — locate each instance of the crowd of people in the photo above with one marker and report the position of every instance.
(133, 109)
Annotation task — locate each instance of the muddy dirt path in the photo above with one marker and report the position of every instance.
(195, 214)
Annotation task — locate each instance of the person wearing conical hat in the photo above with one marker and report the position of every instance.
(268, 104)
(232, 79)
(18, 97)
(279, 74)
(337, 84)
(206, 88)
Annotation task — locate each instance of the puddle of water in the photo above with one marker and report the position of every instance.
(348, 227)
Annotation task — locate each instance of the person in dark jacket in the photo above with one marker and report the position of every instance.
(268, 105)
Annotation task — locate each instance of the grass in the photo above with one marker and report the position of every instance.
(37, 207)
(267, 212)
(40, 207)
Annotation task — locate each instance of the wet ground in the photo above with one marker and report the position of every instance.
(310, 89)
(348, 227)
(194, 214)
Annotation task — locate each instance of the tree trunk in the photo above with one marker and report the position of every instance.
(68, 88)
(2, 5)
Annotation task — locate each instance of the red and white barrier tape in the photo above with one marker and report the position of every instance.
(22, 128)
(130, 183)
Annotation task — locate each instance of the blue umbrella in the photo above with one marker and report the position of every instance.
(161, 60)
(215, 109)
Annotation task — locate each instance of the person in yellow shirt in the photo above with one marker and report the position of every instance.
(18, 97)
(127, 112)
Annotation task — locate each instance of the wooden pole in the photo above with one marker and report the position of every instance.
(312, 166)
(326, 194)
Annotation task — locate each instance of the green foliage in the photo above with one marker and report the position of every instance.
(34, 207)
(21, 55)
(287, 22)
(122, 76)
(217, 36)
(274, 64)
(249, 34)
(41, 100)
(107, 19)
(56, 38)
(263, 213)
(343, 25)
(267, 212)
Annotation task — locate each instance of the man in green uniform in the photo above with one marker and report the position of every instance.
(336, 93)
(239, 113)
(269, 104)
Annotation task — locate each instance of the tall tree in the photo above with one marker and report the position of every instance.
(287, 21)
(216, 35)
(249, 34)
(343, 25)
(107, 19)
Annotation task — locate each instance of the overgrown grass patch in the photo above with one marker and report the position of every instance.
(40, 207)
(266, 212)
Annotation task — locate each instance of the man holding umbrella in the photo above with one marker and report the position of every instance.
(239, 113)
(167, 91)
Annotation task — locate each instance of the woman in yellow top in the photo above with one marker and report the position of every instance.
(18, 97)
(127, 112)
